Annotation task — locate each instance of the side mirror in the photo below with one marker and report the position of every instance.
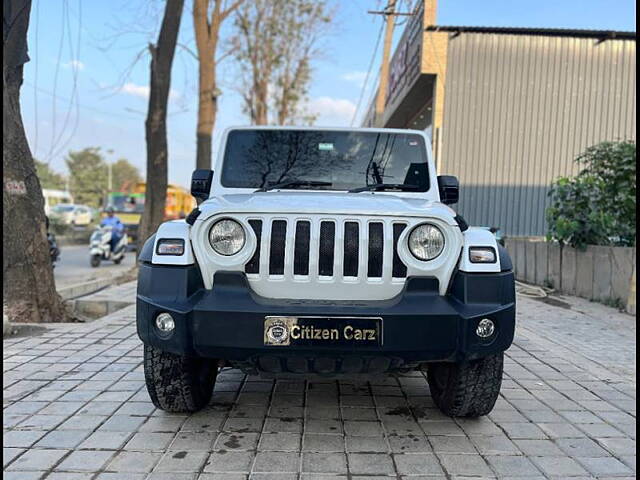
(201, 184)
(449, 189)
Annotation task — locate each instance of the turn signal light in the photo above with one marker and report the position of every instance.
(170, 246)
(482, 255)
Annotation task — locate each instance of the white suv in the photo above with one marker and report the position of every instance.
(325, 252)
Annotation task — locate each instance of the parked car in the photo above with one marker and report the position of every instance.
(325, 252)
(55, 197)
(70, 214)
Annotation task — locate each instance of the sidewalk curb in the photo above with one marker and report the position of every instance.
(85, 288)
(6, 326)
(94, 309)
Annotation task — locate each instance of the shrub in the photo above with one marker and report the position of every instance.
(598, 206)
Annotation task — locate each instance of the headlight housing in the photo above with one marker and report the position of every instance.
(227, 237)
(426, 242)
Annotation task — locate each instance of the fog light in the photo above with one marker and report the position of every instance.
(485, 328)
(165, 323)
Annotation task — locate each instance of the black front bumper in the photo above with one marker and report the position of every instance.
(419, 325)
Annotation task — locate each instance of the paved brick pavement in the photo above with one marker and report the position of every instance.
(75, 407)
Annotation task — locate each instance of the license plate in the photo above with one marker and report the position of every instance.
(323, 331)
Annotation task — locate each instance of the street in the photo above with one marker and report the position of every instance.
(73, 266)
(76, 407)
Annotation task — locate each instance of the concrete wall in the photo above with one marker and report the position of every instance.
(605, 274)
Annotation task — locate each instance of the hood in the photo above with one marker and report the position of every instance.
(337, 203)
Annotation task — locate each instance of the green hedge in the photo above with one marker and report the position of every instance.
(598, 206)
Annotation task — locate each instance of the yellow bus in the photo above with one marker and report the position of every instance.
(129, 205)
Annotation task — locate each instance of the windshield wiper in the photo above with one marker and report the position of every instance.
(295, 184)
(385, 186)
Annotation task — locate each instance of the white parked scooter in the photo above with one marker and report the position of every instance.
(100, 246)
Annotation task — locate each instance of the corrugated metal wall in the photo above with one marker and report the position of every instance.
(519, 108)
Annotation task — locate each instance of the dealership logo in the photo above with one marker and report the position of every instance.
(277, 331)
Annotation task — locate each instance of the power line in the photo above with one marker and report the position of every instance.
(35, 86)
(366, 78)
(86, 107)
(75, 66)
(55, 86)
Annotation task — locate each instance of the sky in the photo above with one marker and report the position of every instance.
(87, 82)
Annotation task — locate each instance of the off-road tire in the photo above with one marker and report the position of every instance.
(177, 383)
(468, 389)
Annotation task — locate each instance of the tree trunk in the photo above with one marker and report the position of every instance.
(29, 291)
(156, 124)
(207, 109)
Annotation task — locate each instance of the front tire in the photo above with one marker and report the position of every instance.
(95, 261)
(178, 383)
(468, 389)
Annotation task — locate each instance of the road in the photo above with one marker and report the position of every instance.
(73, 266)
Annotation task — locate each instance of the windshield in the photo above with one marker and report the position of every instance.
(333, 160)
(127, 203)
(63, 208)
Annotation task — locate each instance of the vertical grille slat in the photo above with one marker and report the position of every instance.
(376, 249)
(351, 249)
(278, 241)
(327, 248)
(301, 249)
(399, 269)
(253, 265)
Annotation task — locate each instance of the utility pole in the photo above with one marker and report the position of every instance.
(389, 12)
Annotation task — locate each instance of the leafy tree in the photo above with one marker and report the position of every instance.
(88, 176)
(275, 42)
(49, 178)
(598, 206)
(124, 175)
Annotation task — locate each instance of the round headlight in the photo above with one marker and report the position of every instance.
(227, 237)
(426, 242)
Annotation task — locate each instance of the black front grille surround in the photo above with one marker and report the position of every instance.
(351, 242)
(327, 248)
(351, 249)
(253, 265)
(399, 269)
(301, 248)
(376, 249)
(278, 242)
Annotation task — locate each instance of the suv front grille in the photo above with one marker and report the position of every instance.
(347, 248)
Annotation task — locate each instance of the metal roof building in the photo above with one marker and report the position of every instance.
(508, 109)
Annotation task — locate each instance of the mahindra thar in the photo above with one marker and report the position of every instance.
(325, 252)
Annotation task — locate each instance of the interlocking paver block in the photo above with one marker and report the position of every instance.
(324, 463)
(181, 461)
(418, 464)
(280, 441)
(313, 442)
(85, 461)
(559, 466)
(134, 462)
(277, 462)
(567, 410)
(512, 466)
(224, 461)
(37, 459)
(367, 444)
(370, 463)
